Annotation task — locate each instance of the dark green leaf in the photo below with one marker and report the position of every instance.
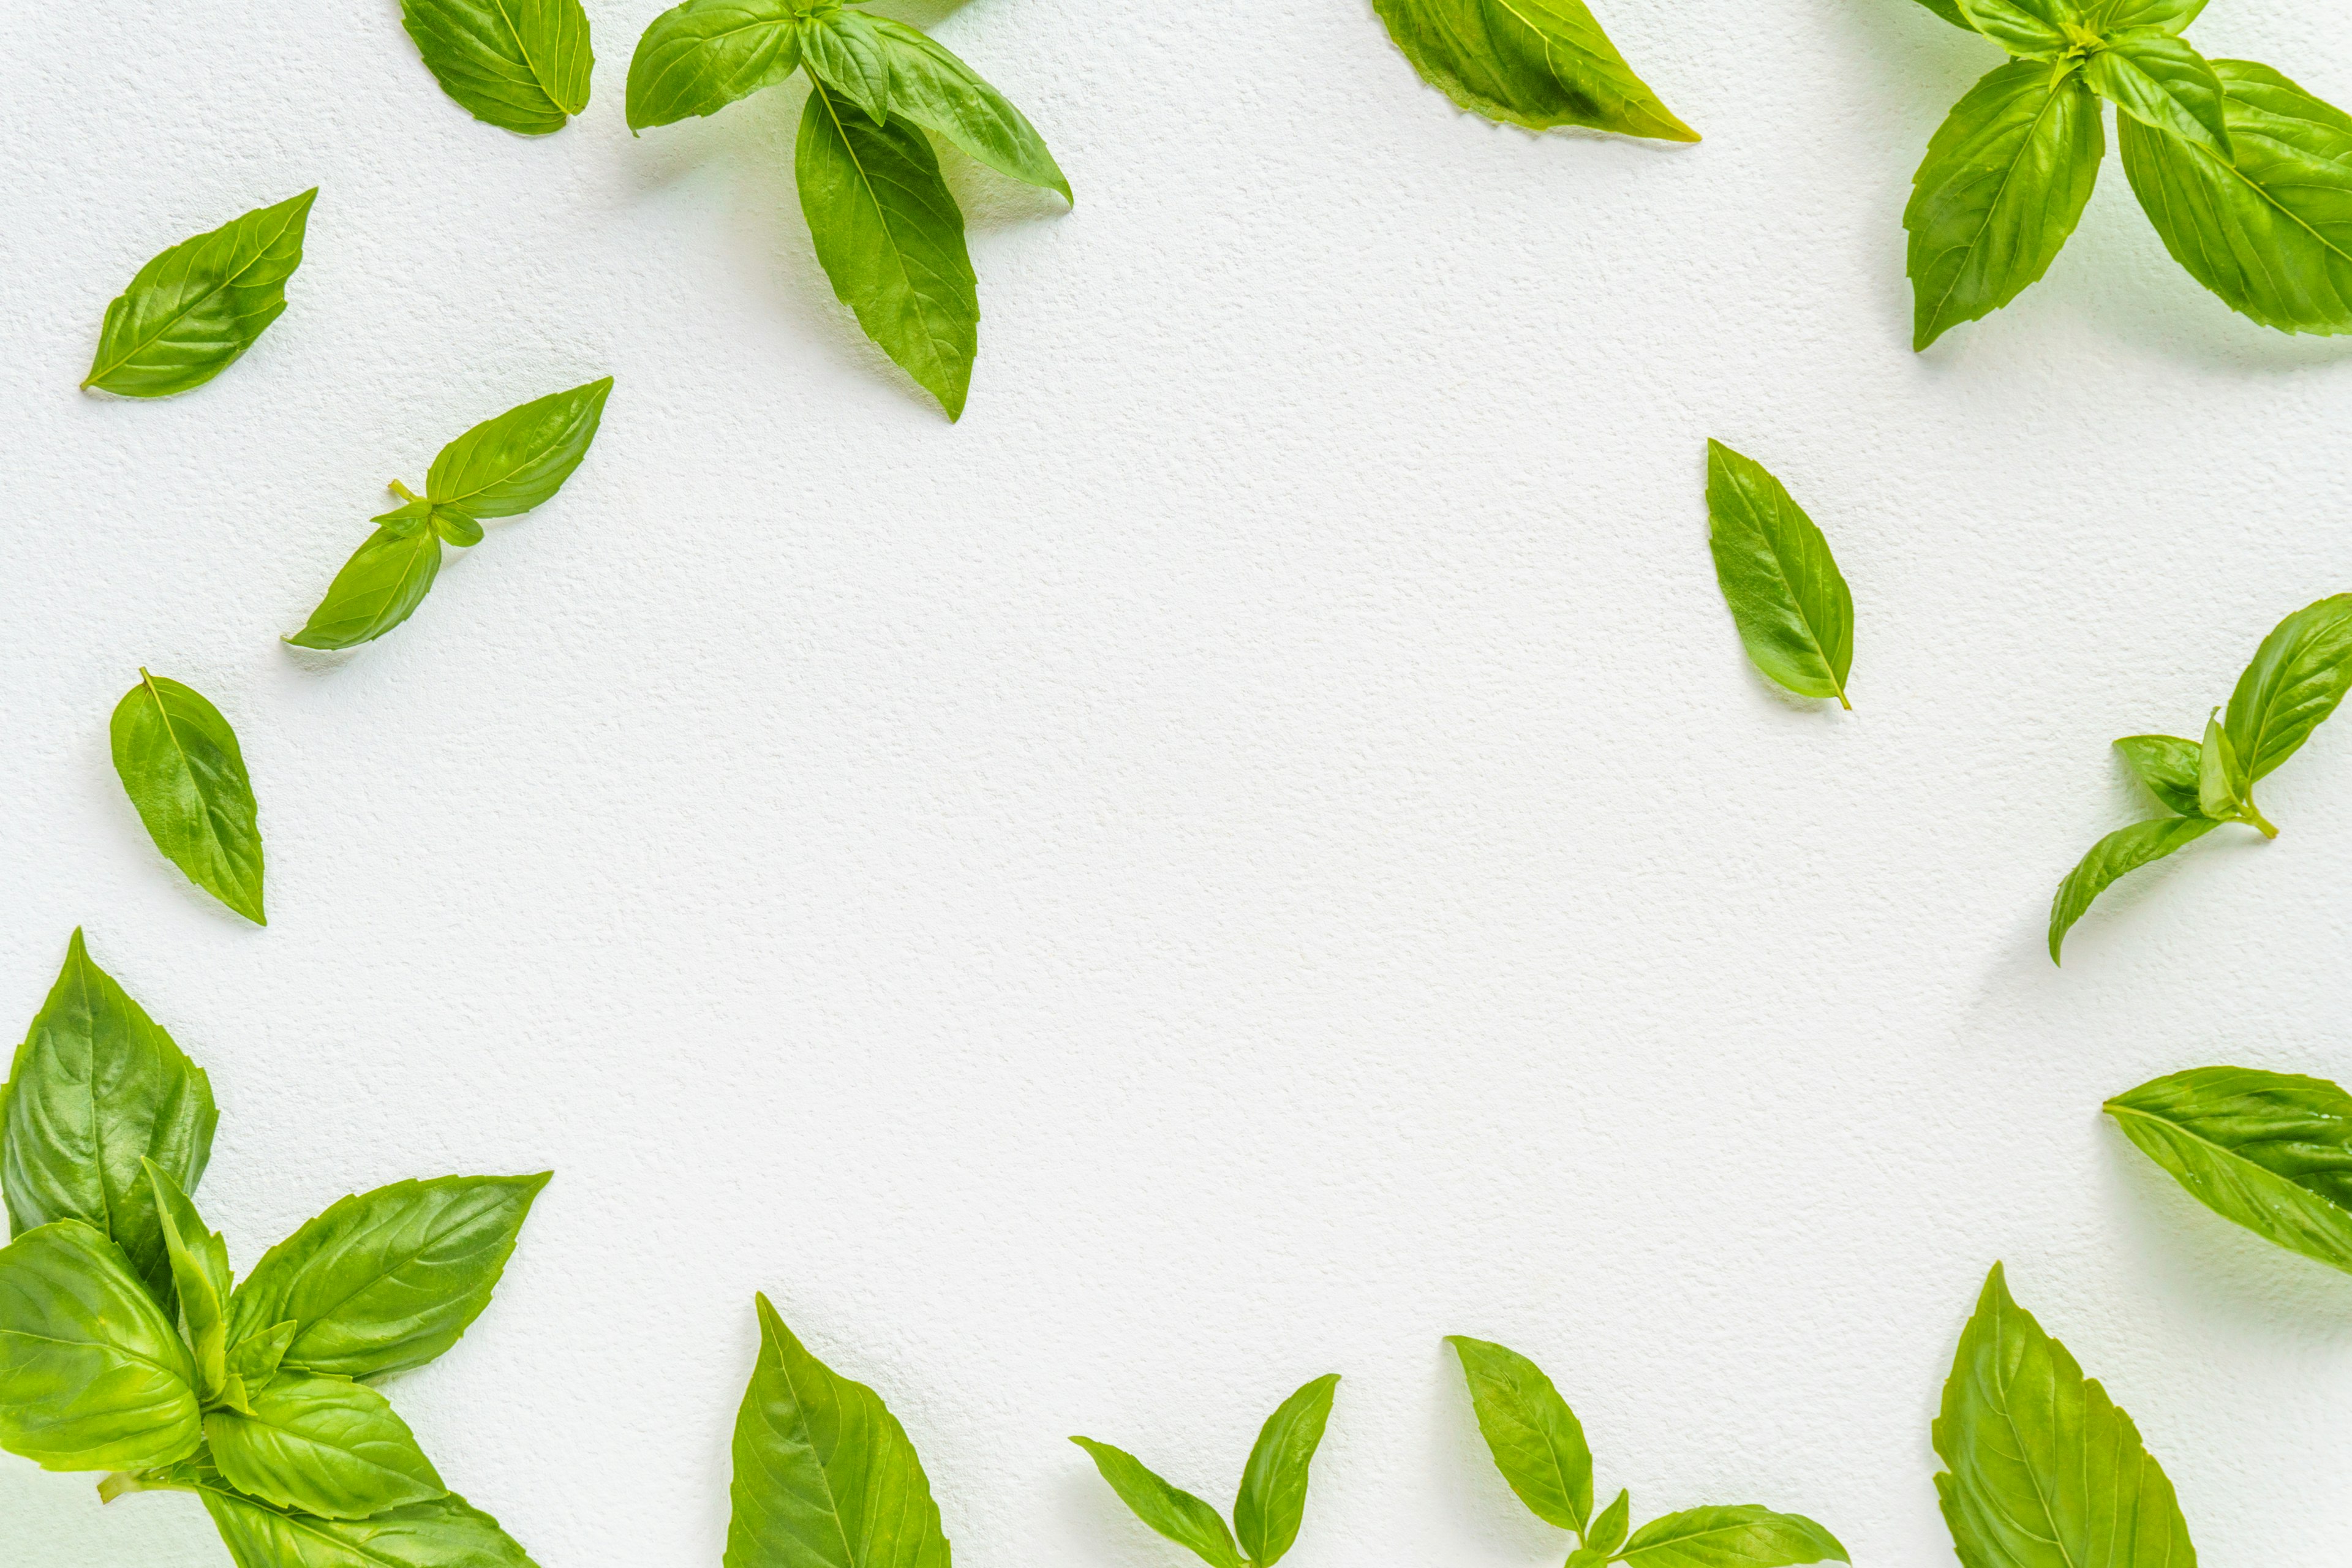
(378, 588)
(2161, 81)
(1790, 602)
(1608, 1532)
(2168, 764)
(191, 311)
(944, 96)
(508, 465)
(1742, 1537)
(179, 762)
(1272, 1498)
(699, 58)
(200, 1268)
(444, 1533)
(1536, 63)
(92, 1375)
(322, 1446)
(1537, 1440)
(2125, 850)
(519, 64)
(1172, 1511)
(2297, 676)
(844, 50)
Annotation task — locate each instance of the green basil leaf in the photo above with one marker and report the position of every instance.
(444, 1533)
(944, 96)
(1742, 1537)
(1537, 1440)
(1949, 10)
(699, 58)
(519, 64)
(1790, 602)
(2108, 17)
(507, 466)
(2269, 1151)
(2221, 782)
(890, 237)
(92, 1375)
(191, 311)
(1272, 1498)
(323, 1446)
(2125, 850)
(2168, 764)
(457, 526)
(1587, 1557)
(2043, 1468)
(96, 1090)
(200, 1268)
(815, 1454)
(2271, 232)
(844, 50)
(2032, 29)
(1536, 63)
(1608, 1532)
(388, 1279)
(1172, 1511)
(2005, 178)
(2160, 81)
(2297, 677)
(254, 1358)
(179, 762)
(379, 587)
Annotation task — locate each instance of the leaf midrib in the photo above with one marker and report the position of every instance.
(2017, 1436)
(898, 250)
(2049, 102)
(177, 316)
(1796, 600)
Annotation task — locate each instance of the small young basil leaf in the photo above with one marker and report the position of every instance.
(814, 1453)
(1172, 1511)
(1535, 63)
(255, 1358)
(2004, 181)
(2271, 1150)
(844, 50)
(1790, 602)
(2162, 82)
(93, 1376)
(2168, 764)
(233, 1395)
(1273, 1498)
(322, 1446)
(1608, 1532)
(379, 587)
(506, 466)
(2108, 17)
(200, 1267)
(944, 96)
(406, 518)
(2125, 850)
(444, 1533)
(180, 763)
(2043, 1466)
(457, 526)
(2298, 675)
(2030, 29)
(1741, 1537)
(388, 1279)
(96, 1090)
(2221, 782)
(192, 310)
(1537, 1440)
(699, 58)
(522, 64)
(890, 237)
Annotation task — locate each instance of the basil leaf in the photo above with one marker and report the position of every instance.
(2005, 178)
(2043, 1468)
(1790, 602)
(1172, 1511)
(699, 58)
(255, 1358)
(507, 466)
(1587, 1557)
(2033, 29)
(179, 762)
(192, 310)
(2167, 765)
(519, 64)
(323, 1446)
(444, 1533)
(1608, 1532)
(457, 526)
(2269, 1151)
(2162, 82)
(944, 96)
(2108, 17)
(811, 1449)
(2297, 678)
(1537, 1440)
(92, 1375)
(96, 1090)
(1949, 10)
(1272, 1498)
(200, 1268)
(2221, 782)
(1742, 1537)
(388, 1279)
(2125, 850)
(379, 587)
(890, 237)
(843, 50)
(1536, 63)
(2271, 232)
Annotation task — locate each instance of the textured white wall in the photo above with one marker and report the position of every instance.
(1255, 851)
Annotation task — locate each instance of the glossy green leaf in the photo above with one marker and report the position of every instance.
(1608, 1527)
(457, 526)
(2169, 765)
(2298, 675)
(2221, 782)
(179, 762)
(1272, 1498)
(699, 58)
(2043, 1469)
(1949, 10)
(1536, 1438)
(823, 1472)
(1788, 598)
(508, 465)
(844, 50)
(2107, 16)
(2005, 179)
(191, 311)
(444, 1533)
(2125, 850)
(322, 1446)
(2034, 29)
(2160, 81)
(378, 588)
(93, 1376)
(254, 1358)
(1587, 1557)
(944, 96)
(519, 64)
(199, 1269)
(388, 1279)
(1741, 1537)
(97, 1090)
(890, 237)
(1172, 1511)
(1536, 63)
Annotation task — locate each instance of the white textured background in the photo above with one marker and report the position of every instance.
(1255, 851)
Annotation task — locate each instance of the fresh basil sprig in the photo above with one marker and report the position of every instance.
(192, 310)
(127, 1346)
(180, 763)
(500, 468)
(2247, 177)
(1790, 601)
(519, 64)
(1536, 63)
(1273, 1498)
(2298, 675)
(886, 229)
(1539, 1447)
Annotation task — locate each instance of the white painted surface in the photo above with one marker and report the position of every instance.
(1258, 850)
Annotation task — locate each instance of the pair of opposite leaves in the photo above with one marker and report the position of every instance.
(126, 1346)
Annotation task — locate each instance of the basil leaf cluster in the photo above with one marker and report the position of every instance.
(192, 310)
(2247, 177)
(2297, 678)
(1541, 64)
(519, 64)
(184, 773)
(126, 1345)
(886, 229)
(1787, 596)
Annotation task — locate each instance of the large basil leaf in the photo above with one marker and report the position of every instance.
(823, 1472)
(97, 1090)
(2168, 764)
(1174, 1512)
(444, 1533)
(2271, 1150)
(944, 96)
(379, 587)
(2160, 81)
(508, 465)
(191, 311)
(890, 237)
(323, 1446)
(2271, 232)
(2110, 16)
(519, 64)
(1273, 1499)
(199, 1269)
(92, 1375)
(1790, 602)
(1536, 1438)
(2125, 850)
(844, 50)
(1742, 1537)
(1536, 63)
(2005, 179)
(388, 1279)
(2043, 1470)
(180, 763)
(2297, 677)
(699, 58)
